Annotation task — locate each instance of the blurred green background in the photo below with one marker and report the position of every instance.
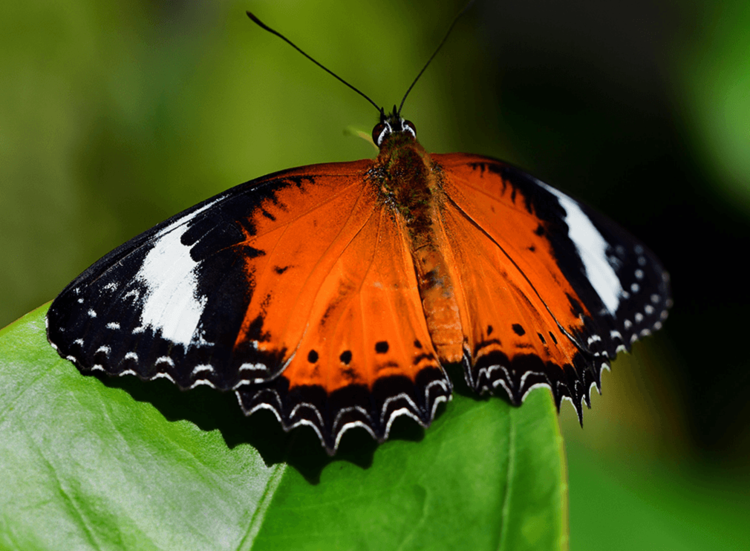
(115, 115)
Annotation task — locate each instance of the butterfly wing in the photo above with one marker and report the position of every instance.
(551, 290)
(295, 290)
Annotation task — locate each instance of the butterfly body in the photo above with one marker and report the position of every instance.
(335, 295)
(411, 184)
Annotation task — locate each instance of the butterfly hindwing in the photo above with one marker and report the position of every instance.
(552, 289)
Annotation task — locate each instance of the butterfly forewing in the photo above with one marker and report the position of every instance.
(176, 300)
(139, 309)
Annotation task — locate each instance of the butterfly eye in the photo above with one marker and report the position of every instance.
(409, 127)
(379, 132)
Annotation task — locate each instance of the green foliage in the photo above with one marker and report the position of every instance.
(625, 503)
(713, 72)
(120, 463)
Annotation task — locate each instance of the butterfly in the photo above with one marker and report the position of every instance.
(335, 295)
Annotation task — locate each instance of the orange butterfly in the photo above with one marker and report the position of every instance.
(335, 294)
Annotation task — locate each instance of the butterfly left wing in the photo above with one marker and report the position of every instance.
(295, 290)
(551, 289)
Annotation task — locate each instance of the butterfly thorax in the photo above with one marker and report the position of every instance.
(410, 185)
(406, 184)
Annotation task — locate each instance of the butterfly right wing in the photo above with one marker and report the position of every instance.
(551, 290)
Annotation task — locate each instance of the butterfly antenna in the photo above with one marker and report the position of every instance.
(293, 45)
(453, 24)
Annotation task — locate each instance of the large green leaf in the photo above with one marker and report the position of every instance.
(119, 463)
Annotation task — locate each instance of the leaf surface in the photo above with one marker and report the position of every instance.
(92, 463)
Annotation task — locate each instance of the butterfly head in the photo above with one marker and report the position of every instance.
(392, 124)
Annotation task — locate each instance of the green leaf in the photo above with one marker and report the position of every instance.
(123, 464)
